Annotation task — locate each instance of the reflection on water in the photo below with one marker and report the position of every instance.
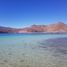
(58, 45)
(33, 51)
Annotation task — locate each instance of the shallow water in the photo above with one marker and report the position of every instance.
(33, 50)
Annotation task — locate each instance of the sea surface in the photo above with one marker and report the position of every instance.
(33, 50)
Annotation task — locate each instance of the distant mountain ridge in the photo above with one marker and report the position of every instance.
(7, 30)
(57, 27)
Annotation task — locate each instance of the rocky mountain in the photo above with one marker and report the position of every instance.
(57, 27)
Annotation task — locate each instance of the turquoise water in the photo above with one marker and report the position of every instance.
(29, 50)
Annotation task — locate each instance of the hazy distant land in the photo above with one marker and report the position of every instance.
(59, 27)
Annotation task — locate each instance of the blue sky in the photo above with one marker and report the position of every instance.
(20, 13)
